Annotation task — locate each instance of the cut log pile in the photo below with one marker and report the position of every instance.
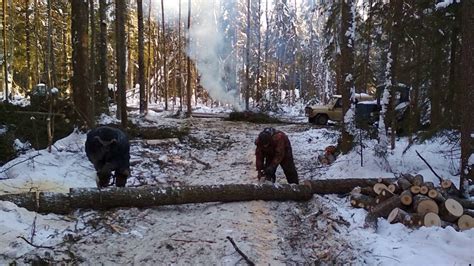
(412, 202)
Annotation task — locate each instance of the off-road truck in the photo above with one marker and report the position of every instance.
(321, 114)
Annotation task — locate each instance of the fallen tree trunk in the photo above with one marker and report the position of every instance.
(342, 186)
(91, 198)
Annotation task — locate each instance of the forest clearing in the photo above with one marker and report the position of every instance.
(259, 132)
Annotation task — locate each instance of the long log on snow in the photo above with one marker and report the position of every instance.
(343, 186)
(92, 198)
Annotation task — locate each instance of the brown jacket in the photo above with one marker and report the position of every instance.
(278, 150)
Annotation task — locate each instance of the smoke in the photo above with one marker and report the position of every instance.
(205, 45)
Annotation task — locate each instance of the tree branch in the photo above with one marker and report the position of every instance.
(431, 168)
(249, 262)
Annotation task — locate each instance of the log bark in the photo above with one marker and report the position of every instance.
(385, 181)
(398, 215)
(394, 188)
(403, 183)
(416, 219)
(341, 186)
(446, 183)
(431, 219)
(466, 203)
(361, 201)
(384, 195)
(368, 191)
(465, 222)
(91, 198)
(418, 180)
(450, 210)
(423, 205)
(384, 208)
(433, 193)
(415, 189)
(379, 187)
(424, 190)
(430, 185)
(406, 198)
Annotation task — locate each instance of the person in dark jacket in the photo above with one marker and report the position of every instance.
(109, 151)
(273, 149)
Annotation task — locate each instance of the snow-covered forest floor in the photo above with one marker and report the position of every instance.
(324, 230)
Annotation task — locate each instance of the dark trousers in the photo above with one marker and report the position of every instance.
(288, 166)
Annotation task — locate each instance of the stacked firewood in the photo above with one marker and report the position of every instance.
(411, 201)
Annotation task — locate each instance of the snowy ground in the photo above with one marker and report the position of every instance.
(325, 229)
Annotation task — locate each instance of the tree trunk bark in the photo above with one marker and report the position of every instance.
(28, 45)
(165, 69)
(80, 60)
(92, 59)
(247, 59)
(141, 58)
(347, 70)
(5, 53)
(120, 20)
(91, 198)
(103, 90)
(188, 66)
(467, 84)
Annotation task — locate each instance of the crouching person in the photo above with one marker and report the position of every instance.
(109, 151)
(273, 149)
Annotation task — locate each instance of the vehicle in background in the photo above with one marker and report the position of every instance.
(321, 114)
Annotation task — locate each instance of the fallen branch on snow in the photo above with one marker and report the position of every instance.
(240, 252)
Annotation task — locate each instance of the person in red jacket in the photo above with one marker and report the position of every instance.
(273, 149)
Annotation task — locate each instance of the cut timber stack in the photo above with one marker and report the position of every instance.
(413, 202)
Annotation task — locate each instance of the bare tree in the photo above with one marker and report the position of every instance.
(93, 82)
(388, 96)
(28, 44)
(165, 69)
(102, 93)
(80, 59)
(467, 126)
(141, 58)
(180, 75)
(347, 69)
(148, 67)
(5, 51)
(120, 19)
(247, 59)
(188, 63)
(259, 51)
